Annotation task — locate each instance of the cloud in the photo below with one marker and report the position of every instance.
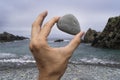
(18, 15)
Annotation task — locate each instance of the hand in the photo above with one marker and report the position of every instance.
(51, 62)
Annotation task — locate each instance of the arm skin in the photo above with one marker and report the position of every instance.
(51, 62)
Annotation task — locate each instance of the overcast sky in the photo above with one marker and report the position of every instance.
(16, 16)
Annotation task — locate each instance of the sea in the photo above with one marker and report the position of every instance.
(16, 54)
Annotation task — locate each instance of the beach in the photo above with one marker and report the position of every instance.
(87, 63)
(73, 72)
(24, 23)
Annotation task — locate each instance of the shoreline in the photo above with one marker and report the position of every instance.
(16, 65)
(73, 72)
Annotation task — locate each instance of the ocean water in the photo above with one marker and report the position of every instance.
(16, 54)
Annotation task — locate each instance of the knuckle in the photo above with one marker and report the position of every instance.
(33, 45)
(42, 44)
(37, 44)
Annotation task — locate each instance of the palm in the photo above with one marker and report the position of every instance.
(48, 59)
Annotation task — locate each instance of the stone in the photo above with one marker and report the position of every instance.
(69, 24)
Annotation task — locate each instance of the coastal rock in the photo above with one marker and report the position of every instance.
(90, 35)
(69, 24)
(59, 40)
(110, 37)
(6, 37)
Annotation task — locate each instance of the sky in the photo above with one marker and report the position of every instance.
(17, 16)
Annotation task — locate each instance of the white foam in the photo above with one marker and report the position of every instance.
(66, 40)
(27, 57)
(3, 55)
(17, 61)
(93, 60)
(96, 61)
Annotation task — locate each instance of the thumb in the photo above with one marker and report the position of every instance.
(75, 42)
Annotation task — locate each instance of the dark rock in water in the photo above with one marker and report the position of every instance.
(59, 40)
(6, 37)
(110, 37)
(69, 24)
(90, 35)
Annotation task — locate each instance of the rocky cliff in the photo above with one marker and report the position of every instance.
(110, 37)
(90, 35)
(6, 37)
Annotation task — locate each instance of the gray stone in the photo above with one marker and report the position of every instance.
(69, 24)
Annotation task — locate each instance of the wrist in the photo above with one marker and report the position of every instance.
(49, 76)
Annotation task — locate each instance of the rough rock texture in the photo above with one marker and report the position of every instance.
(110, 37)
(69, 24)
(6, 37)
(90, 35)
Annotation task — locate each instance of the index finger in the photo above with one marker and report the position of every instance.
(48, 26)
(38, 23)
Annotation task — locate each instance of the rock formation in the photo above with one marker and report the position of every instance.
(6, 37)
(110, 37)
(59, 40)
(90, 35)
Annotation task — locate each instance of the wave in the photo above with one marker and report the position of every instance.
(97, 62)
(14, 56)
(17, 61)
(7, 55)
(23, 62)
(12, 60)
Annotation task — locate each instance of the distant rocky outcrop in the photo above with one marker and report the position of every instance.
(59, 40)
(90, 35)
(110, 37)
(6, 37)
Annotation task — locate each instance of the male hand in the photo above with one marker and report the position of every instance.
(51, 62)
